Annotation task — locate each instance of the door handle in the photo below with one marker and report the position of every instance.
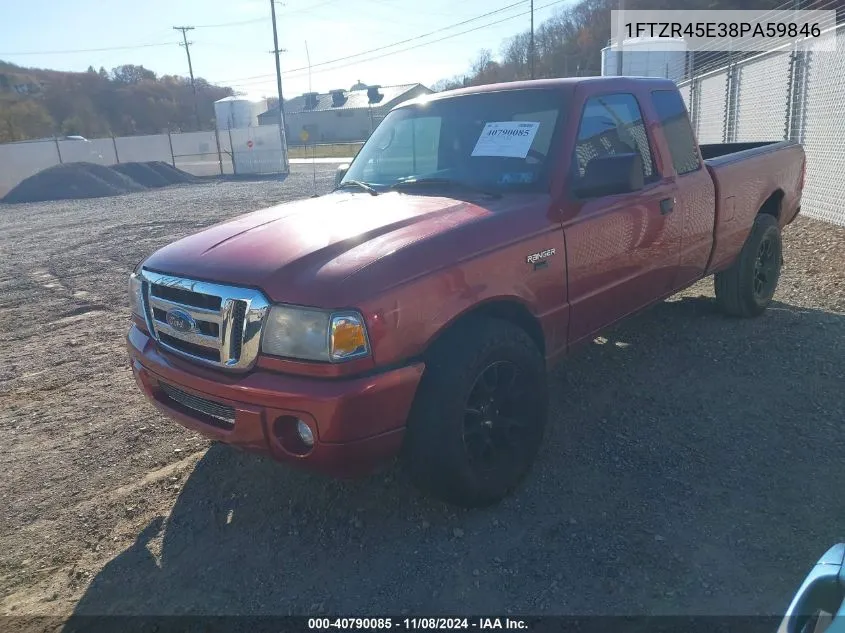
(667, 205)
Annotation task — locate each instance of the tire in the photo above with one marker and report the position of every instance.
(747, 287)
(479, 413)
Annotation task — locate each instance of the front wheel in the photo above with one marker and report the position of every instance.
(479, 413)
(747, 287)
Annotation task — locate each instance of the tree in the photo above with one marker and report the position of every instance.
(23, 120)
(448, 84)
(131, 100)
(131, 74)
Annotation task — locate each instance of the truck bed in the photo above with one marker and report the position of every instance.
(710, 151)
(746, 175)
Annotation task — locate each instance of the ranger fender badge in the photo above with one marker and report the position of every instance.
(536, 257)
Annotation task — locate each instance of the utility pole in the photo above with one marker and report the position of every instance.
(531, 43)
(187, 46)
(276, 50)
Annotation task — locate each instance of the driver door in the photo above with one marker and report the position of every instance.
(622, 250)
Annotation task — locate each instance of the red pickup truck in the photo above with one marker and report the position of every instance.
(476, 238)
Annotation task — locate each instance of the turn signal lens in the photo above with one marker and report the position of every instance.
(348, 338)
(136, 298)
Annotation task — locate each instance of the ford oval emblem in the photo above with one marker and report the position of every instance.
(181, 321)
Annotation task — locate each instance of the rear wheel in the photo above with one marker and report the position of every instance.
(479, 413)
(747, 287)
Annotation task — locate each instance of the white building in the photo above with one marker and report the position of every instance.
(340, 115)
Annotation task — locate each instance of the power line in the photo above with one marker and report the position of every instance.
(446, 37)
(88, 50)
(416, 37)
(257, 20)
(398, 43)
(187, 46)
(223, 24)
(305, 9)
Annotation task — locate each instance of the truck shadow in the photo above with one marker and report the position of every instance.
(691, 466)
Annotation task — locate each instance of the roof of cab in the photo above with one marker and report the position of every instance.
(563, 83)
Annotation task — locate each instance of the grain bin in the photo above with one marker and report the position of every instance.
(237, 113)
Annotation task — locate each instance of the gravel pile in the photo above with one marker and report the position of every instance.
(684, 455)
(170, 173)
(121, 183)
(142, 173)
(73, 181)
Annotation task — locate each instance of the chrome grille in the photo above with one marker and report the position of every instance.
(220, 412)
(214, 324)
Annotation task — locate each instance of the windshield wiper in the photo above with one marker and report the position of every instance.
(443, 182)
(356, 183)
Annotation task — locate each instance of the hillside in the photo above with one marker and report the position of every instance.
(130, 99)
(569, 43)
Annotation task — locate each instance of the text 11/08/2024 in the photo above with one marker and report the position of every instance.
(417, 624)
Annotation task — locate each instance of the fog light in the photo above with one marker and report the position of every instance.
(305, 433)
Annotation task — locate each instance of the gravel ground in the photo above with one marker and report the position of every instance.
(690, 464)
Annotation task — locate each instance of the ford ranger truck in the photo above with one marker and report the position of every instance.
(477, 237)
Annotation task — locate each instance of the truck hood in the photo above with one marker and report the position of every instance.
(305, 252)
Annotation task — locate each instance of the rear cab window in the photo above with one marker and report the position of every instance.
(673, 117)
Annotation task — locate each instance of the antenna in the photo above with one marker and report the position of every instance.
(313, 145)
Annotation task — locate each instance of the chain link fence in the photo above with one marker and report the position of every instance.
(781, 95)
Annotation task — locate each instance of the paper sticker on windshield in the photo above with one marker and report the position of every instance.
(507, 139)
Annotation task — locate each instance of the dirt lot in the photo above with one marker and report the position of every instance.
(693, 463)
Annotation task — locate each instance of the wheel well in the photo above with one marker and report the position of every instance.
(511, 311)
(772, 204)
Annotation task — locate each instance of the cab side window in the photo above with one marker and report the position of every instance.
(676, 127)
(611, 125)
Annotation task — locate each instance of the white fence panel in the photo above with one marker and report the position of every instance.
(824, 135)
(196, 153)
(762, 99)
(100, 151)
(21, 160)
(143, 148)
(713, 92)
(258, 150)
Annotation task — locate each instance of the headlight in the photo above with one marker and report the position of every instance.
(319, 335)
(136, 300)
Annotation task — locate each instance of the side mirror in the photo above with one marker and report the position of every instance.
(610, 175)
(340, 173)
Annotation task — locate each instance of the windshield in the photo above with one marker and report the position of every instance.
(499, 141)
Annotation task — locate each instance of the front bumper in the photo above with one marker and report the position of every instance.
(357, 422)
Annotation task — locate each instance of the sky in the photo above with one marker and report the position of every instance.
(233, 38)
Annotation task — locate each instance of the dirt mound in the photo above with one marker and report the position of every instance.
(70, 182)
(142, 174)
(122, 182)
(88, 180)
(172, 174)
